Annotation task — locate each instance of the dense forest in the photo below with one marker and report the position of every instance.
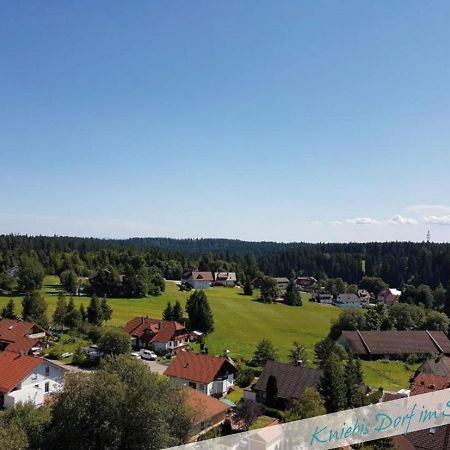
(397, 263)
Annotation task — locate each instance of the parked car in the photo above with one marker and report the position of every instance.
(148, 354)
(66, 355)
(136, 355)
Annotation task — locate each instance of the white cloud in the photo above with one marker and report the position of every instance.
(363, 221)
(400, 220)
(438, 220)
(428, 210)
(336, 222)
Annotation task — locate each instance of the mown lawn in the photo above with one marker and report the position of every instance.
(241, 322)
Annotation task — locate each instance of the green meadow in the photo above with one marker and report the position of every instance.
(241, 322)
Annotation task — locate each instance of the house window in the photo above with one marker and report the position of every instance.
(192, 385)
(47, 371)
(47, 387)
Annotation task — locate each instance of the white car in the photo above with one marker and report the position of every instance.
(136, 355)
(67, 355)
(148, 354)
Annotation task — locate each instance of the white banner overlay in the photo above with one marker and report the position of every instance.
(349, 427)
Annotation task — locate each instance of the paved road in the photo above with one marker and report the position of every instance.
(155, 366)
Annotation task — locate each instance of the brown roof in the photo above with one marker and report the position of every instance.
(14, 368)
(438, 366)
(197, 275)
(197, 367)
(153, 330)
(396, 342)
(437, 438)
(427, 382)
(291, 380)
(14, 335)
(203, 406)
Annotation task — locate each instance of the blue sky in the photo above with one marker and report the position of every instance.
(299, 121)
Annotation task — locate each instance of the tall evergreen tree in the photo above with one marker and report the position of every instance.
(34, 308)
(106, 310)
(177, 315)
(265, 351)
(168, 312)
(292, 295)
(332, 385)
(94, 311)
(59, 315)
(248, 287)
(199, 312)
(352, 384)
(83, 313)
(272, 391)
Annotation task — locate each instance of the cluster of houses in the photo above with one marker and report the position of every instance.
(25, 376)
(202, 280)
(359, 299)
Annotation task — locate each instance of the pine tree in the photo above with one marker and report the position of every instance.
(83, 313)
(271, 391)
(94, 311)
(352, 383)
(332, 385)
(199, 312)
(248, 287)
(106, 310)
(59, 315)
(34, 308)
(8, 312)
(177, 315)
(292, 296)
(265, 351)
(168, 312)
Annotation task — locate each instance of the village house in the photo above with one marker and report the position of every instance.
(21, 337)
(394, 344)
(291, 382)
(437, 366)
(27, 379)
(197, 280)
(389, 296)
(225, 279)
(207, 412)
(162, 336)
(324, 297)
(211, 375)
(306, 284)
(358, 300)
(280, 282)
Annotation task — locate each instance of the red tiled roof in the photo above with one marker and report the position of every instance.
(197, 367)
(197, 275)
(396, 342)
(14, 334)
(427, 382)
(203, 406)
(14, 368)
(157, 330)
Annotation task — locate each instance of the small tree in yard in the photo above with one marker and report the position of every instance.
(265, 351)
(246, 413)
(292, 295)
(114, 342)
(8, 312)
(309, 405)
(199, 312)
(269, 290)
(296, 353)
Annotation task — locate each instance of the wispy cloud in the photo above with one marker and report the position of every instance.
(400, 220)
(428, 210)
(438, 220)
(363, 221)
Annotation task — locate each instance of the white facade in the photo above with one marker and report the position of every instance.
(216, 388)
(325, 298)
(172, 346)
(351, 301)
(45, 379)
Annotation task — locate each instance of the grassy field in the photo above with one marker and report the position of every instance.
(240, 323)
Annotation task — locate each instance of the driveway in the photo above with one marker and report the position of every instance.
(155, 366)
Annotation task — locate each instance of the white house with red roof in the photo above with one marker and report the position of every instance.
(211, 375)
(27, 379)
(197, 279)
(24, 377)
(163, 336)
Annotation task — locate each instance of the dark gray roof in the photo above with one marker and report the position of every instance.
(437, 366)
(291, 380)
